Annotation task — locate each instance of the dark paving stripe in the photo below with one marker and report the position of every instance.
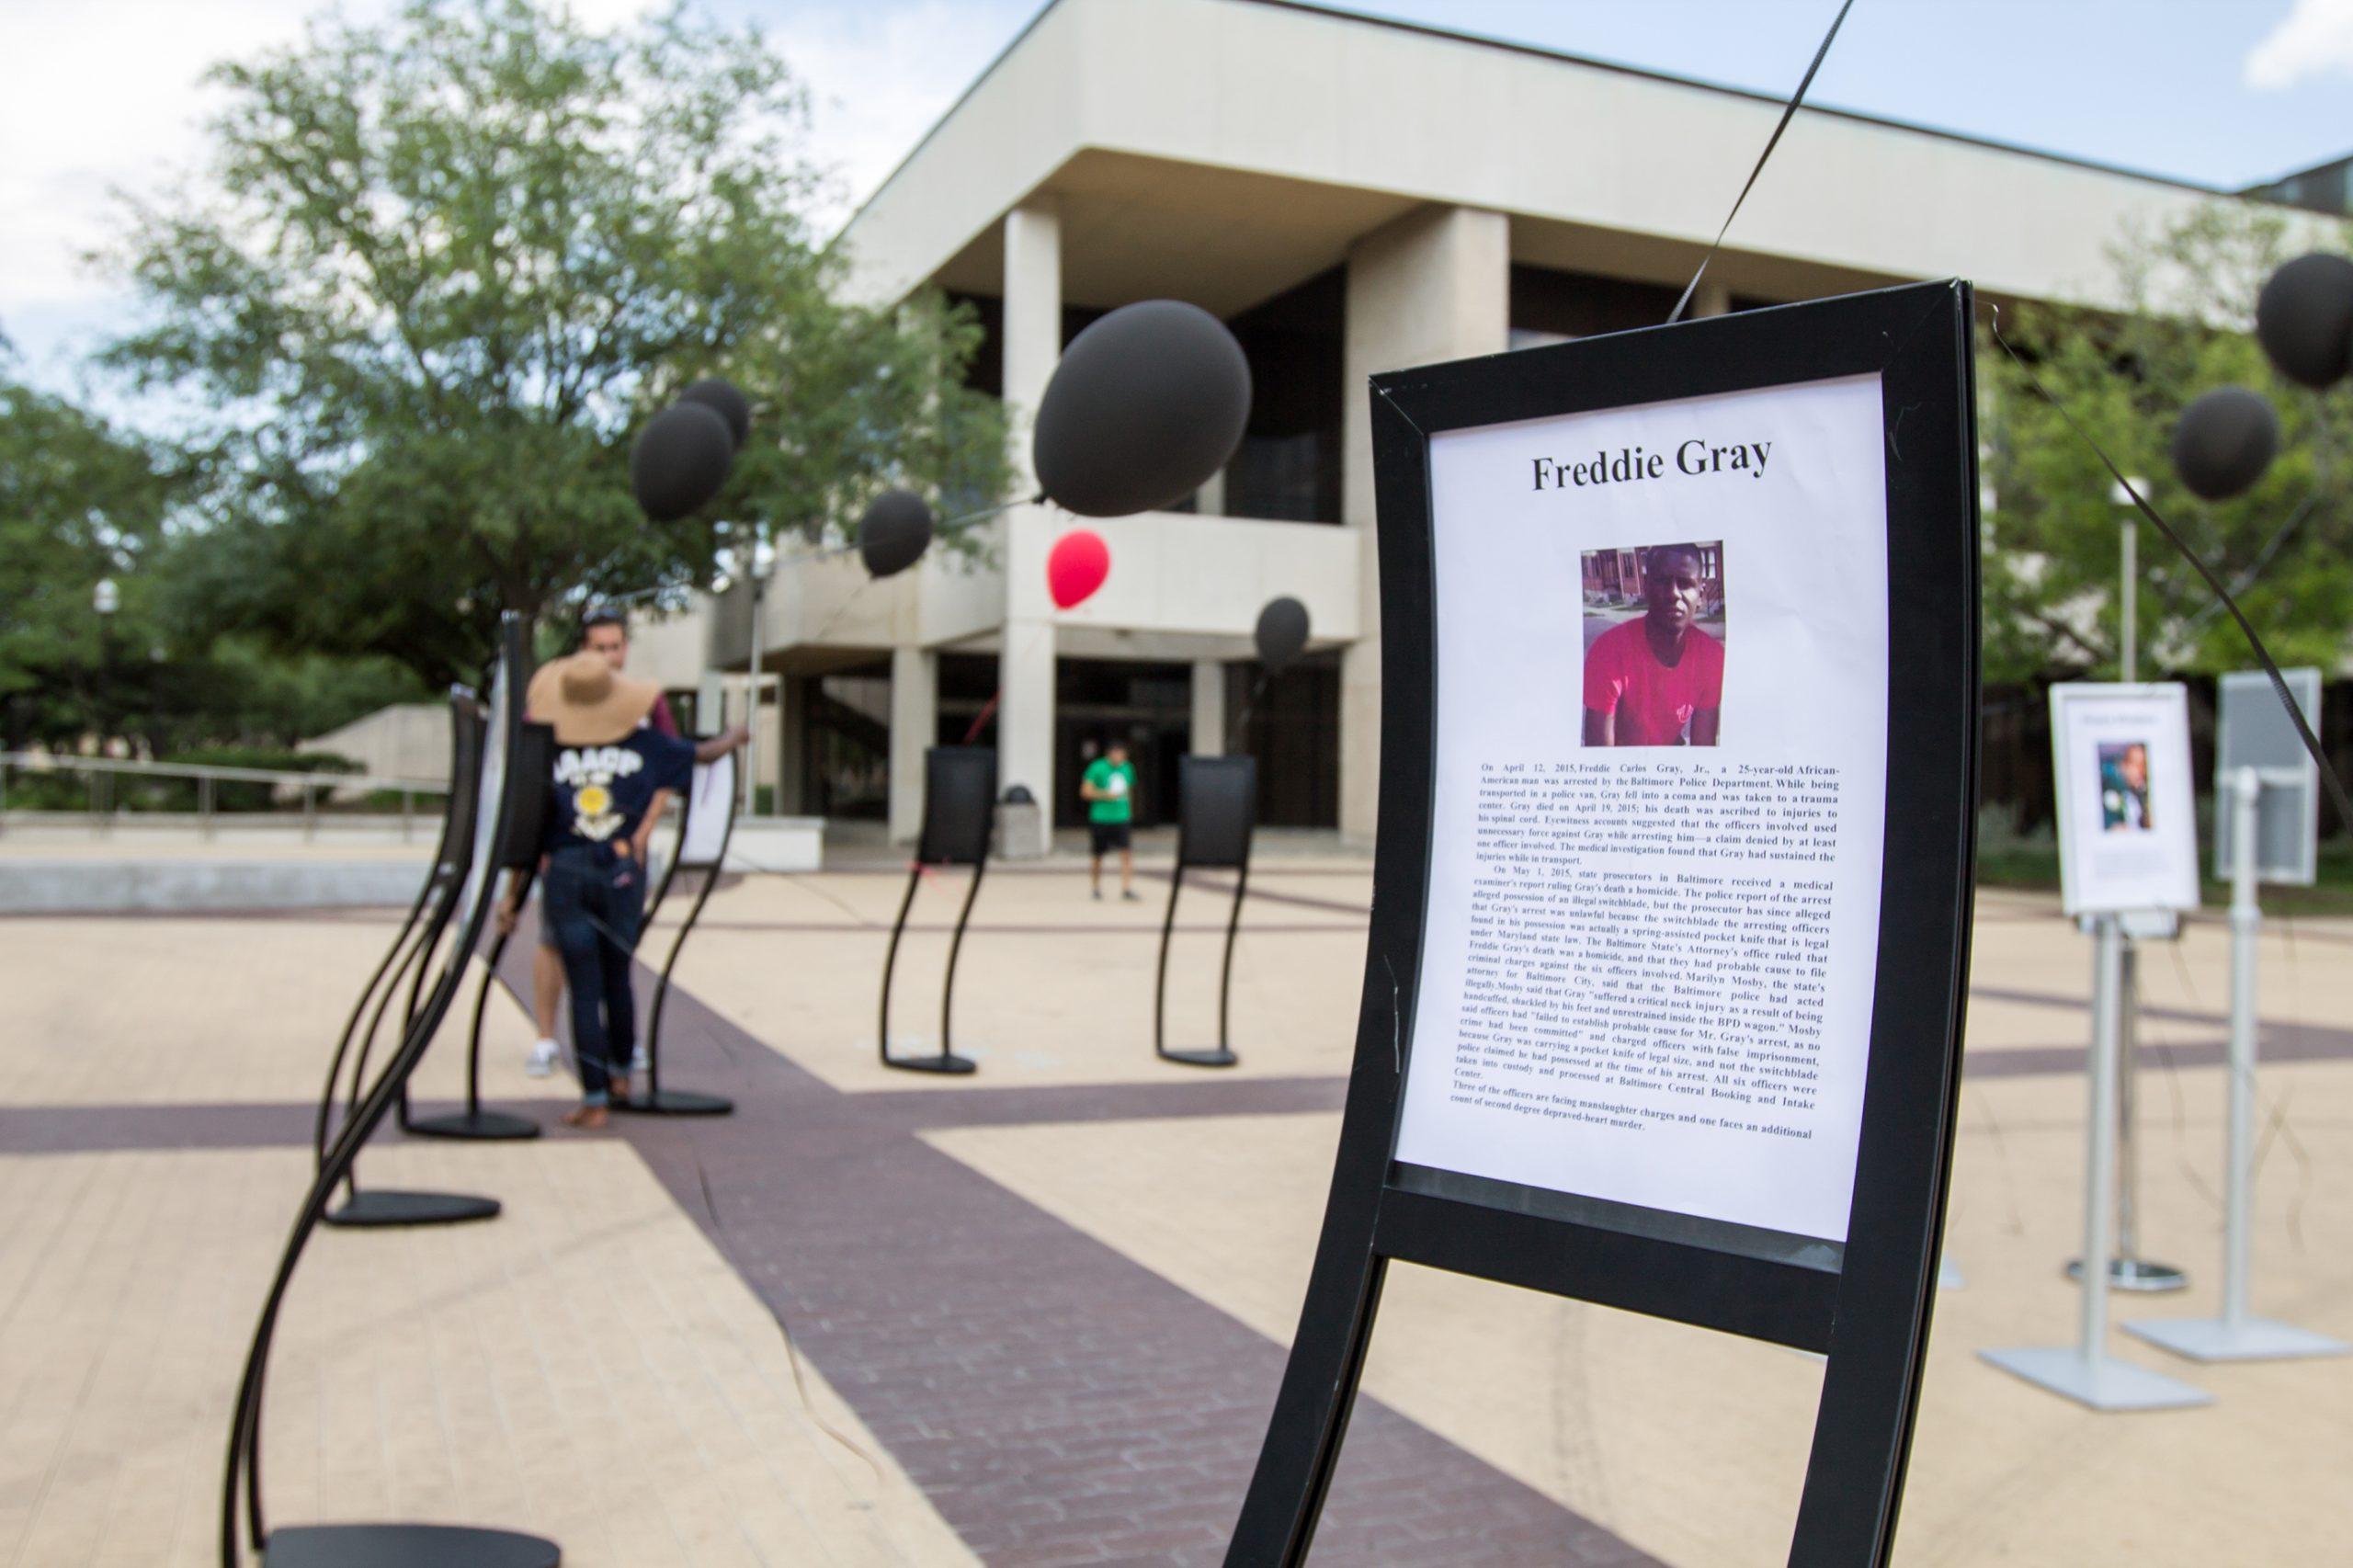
(978, 929)
(120, 1128)
(916, 1110)
(1056, 1400)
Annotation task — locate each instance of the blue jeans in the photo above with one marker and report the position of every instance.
(595, 901)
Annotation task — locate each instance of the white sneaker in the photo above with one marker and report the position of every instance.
(542, 1059)
(639, 1062)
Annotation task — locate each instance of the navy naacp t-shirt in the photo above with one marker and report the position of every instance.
(602, 791)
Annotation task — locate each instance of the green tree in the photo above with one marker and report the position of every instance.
(441, 271)
(80, 503)
(2054, 548)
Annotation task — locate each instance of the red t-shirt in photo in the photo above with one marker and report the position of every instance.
(1653, 702)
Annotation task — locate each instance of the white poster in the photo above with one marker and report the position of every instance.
(2128, 817)
(1661, 785)
(711, 805)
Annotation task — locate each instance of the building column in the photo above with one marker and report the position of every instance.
(1032, 346)
(1025, 721)
(792, 742)
(1209, 708)
(914, 728)
(1210, 500)
(1033, 322)
(1433, 285)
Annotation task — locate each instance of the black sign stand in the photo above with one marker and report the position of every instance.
(508, 789)
(959, 818)
(1217, 804)
(1865, 1304)
(653, 1099)
(518, 855)
(420, 936)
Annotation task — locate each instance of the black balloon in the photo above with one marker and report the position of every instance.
(2224, 441)
(894, 532)
(1145, 407)
(681, 461)
(726, 399)
(1282, 633)
(2304, 318)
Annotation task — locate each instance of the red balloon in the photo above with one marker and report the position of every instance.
(1079, 562)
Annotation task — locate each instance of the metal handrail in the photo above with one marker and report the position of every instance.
(53, 762)
(208, 774)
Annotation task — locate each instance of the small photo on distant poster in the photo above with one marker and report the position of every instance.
(2128, 821)
(1653, 644)
(2124, 786)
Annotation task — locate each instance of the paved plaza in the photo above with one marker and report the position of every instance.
(1036, 1316)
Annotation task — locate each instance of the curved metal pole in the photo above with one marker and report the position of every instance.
(245, 1427)
(947, 990)
(710, 884)
(890, 955)
(343, 1045)
(1160, 985)
(408, 1013)
(245, 1442)
(521, 890)
(419, 953)
(669, 874)
(428, 947)
(473, 1034)
(662, 989)
(1225, 974)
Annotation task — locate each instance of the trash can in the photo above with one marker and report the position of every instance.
(1021, 825)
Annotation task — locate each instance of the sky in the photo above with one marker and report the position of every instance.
(101, 96)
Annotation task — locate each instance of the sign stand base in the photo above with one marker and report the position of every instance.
(2249, 1339)
(378, 1207)
(405, 1546)
(2137, 1275)
(479, 1126)
(2100, 1382)
(1200, 1058)
(675, 1102)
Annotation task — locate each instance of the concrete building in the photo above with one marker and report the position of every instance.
(1350, 196)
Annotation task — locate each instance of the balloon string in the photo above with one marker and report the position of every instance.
(1241, 720)
(2324, 449)
(2279, 682)
(987, 511)
(974, 733)
(1789, 112)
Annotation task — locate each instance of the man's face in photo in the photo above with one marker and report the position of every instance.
(611, 640)
(2135, 767)
(1671, 589)
(1117, 754)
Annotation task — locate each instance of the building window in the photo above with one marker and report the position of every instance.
(1287, 467)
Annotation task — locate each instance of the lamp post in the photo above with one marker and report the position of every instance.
(2128, 636)
(105, 599)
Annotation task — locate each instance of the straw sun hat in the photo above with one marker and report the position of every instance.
(586, 703)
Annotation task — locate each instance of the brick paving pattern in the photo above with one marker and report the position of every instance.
(1058, 1402)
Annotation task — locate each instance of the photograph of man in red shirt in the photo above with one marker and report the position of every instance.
(1656, 680)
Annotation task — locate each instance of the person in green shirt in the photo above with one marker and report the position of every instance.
(1108, 787)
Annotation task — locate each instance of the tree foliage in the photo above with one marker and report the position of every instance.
(440, 270)
(2054, 542)
(80, 503)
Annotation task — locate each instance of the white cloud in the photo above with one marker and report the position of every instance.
(879, 76)
(105, 96)
(2315, 38)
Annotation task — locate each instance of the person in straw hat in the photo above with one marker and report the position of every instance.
(612, 771)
